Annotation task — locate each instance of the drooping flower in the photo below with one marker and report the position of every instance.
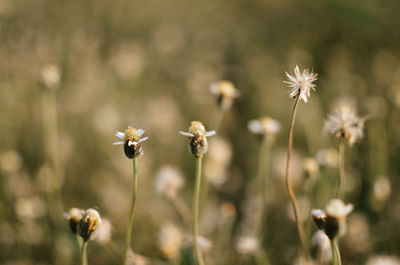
(265, 127)
(345, 123)
(89, 223)
(301, 83)
(132, 141)
(198, 144)
(225, 92)
(168, 181)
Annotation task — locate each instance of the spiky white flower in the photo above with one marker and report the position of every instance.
(345, 123)
(168, 181)
(301, 83)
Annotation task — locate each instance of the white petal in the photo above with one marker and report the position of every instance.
(210, 133)
(186, 134)
(130, 143)
(140, 132)
(120, 135)
(119, 142)
(255, 126)
(143, 139)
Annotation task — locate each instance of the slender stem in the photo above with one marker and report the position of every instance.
(217, 118)
(129, 231)
(289, 183)
(83, 253)
(335, 252)
(341, 168)
(78, 240)
(182, 208)
(195, 211)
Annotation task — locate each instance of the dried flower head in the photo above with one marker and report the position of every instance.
(168, 181)
(198, 144)
(333, 219)
(247, 245)
(50, 76)
(301, 83)
(383, 260)
(344, 123)
(265, 127)
(132, 141)
(170, 241)
(89, 223)
(225, 92)
(74, 216)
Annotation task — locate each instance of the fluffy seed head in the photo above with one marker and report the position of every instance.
(169, 181)
(88, 224)
(301, 83)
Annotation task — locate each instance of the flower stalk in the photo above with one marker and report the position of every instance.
(341, 179)
(131, 211)
(196, 210)
(83, 253)
(335, 252)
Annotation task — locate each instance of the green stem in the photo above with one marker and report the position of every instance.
(216, 119)
(289, 183)
(83, 253)
(129, 231)
(195, 211)
(341, 168)
(335, 252)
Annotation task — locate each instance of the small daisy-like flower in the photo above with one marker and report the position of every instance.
(74, 216)
(333, 219)
(225, 92)
(247, 245)
(301, 83)
(132, 141)
(88, 224)
(168, 181)
(198, 144)
(345, 123)
(265, 127)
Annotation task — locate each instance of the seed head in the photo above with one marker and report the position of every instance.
(197, 134)
(301, 83)
(132, 141)
(225, 92)
(74, 216)
(88, 224)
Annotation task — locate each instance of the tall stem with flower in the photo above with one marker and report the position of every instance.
(301, 85)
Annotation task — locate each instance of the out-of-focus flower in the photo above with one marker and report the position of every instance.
(247, 245)
(132, 141)
(383, 260)
(104, 232)
(219, 157)
(136, 259)
(204, 244)
(225, 92)
(301, 83)
(345, 123)
(382, 189)
(170, 241)
(30, 208)
(265, 127)
(333, 219)
(321, 248)
(89, 224)
(74, 216)
(10, 161)
(311, 168)
(358, 235)
(50, 76)
(328, 157)
(198, 144)
(228, 210)
(304, 207)
(169, 181)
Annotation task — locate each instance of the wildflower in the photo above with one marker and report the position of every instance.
(247, 245)
(50, 76)
(265, 127)
(198, 144)
(328, 157)
(74, 216)
(132, 141)
(383, 260)
(170, 241)
(345, 123)
(225, 92)
(333, 219)
(89, 223)
(168, 181)
(311, 168)
(301, 83)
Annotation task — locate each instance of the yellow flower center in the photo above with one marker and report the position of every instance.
(197, 127)
(131, 134)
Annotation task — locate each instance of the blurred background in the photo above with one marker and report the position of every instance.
(75, 72)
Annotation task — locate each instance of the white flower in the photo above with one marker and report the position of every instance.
(225, 91)
(50, 76)
(383, 260)
(168, 181)
(132, 141)
(321, 246)
(247, 245)
(265, 127)
(170, 241)
(337, 208)
(89, 223)
(345, 123)
(301, 83)
(198, 144)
